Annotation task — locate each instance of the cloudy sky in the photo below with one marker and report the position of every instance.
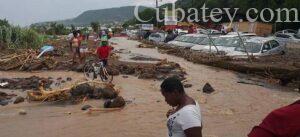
(25, 12)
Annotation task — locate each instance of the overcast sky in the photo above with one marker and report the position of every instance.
(26, 12)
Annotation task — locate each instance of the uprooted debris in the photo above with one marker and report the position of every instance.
(160, 70)
(33, 82)
(282, 67)
(76, 93)
(26, 60)
(145, 46)
(144, 58)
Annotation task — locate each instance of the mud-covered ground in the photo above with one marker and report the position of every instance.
(238, 103)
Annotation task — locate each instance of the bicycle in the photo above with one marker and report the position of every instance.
(94, 69)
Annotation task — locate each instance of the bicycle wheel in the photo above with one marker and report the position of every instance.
(104, 76)
(89, 72)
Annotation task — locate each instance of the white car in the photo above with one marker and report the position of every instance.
(188, 40)
(206, 42)
(287, 31)
(241, 33)
(226, 43)
(259, 46)
(287, 37)
(209, 31)
(157, 37)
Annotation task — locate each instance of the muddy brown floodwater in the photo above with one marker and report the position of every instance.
(231, 111)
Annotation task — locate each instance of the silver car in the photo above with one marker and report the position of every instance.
(287, 37)
(226, 43)
(259, 46)
(187, 41)
(157, 37)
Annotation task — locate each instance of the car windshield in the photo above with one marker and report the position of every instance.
(251, 47)
(227, 42)
(155, 35)
(188, 39)
(179, 38)
(198, 40)
(206, 41)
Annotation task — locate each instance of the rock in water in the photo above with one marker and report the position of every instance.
(69, 79)
(208, 88)
(19, 100)
(118, 102)
(3, 94)
(22, 112)
(3, 102)
(82, 90)
(86, 107)
(187, 85)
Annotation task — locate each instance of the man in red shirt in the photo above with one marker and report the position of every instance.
(103, 52)
(283, 122)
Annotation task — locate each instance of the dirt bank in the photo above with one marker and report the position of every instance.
(284, 68)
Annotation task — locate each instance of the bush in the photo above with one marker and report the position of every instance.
(16, 38)
(30, 39)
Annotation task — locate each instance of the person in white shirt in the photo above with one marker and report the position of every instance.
(185, 119)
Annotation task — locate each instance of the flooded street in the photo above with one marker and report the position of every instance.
(231, 111)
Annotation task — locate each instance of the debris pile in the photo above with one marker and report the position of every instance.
(78, 93)
(284, 68)
(145, 46)
(160, 70)
(16, 60)
(27, 61)
(32, 82)
(144, 58)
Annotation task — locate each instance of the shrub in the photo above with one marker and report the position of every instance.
(16, 38)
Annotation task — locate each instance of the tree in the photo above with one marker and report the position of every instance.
(95, 26)
(4, 22)
(73, 28)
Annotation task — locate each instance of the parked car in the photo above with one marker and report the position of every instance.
(188, 40)
(206, 42)
(157, 37)
(259, 46)
(242, 33)
(287, 31)
(287, 37)
(226, 43)
(209, 31)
